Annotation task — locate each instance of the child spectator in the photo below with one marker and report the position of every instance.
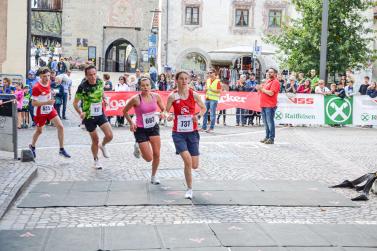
(305, 88)
(19, 93)
(340, 92)
(364, 86)
(108, 85)
(58, 92)
(25, 108)
(372, 90)
(349, 89)
(333, 89)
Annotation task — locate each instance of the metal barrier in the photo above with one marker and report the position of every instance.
(8, 124)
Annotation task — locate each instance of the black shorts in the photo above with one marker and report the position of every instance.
(92, 122)
(142, 134)
(19, 110)
(25, 109)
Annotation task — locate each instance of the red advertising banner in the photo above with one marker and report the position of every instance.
(245, 100)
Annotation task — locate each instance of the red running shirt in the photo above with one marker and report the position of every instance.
(184, 110)
(42, 93)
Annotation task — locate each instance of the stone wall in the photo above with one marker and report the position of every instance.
(13, 37)
(123, 19)
(216, 29)
(3, 31)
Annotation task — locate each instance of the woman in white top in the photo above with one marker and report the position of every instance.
(122, 85)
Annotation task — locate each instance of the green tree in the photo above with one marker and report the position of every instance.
(349, 41)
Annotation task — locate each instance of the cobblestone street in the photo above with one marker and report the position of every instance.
(327, 155)
(323, 154)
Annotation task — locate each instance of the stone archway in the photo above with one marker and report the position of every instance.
(197, 57)
(121, 56)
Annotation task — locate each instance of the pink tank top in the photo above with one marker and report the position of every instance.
(145, 111)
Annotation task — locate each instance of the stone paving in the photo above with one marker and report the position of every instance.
(324, 154)
(13, 176)
(327, 155)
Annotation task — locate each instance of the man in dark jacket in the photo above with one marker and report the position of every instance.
(364, 86)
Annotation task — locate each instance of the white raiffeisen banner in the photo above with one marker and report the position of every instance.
(364, 110)
(300, 109)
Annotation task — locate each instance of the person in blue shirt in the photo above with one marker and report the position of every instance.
(250, 87)
(372, 90)
(251, 83)
(30, 82)
(54, 65)
(153, 73)
(7, 87)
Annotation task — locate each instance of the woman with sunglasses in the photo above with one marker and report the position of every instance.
(146, 129)
(185, 130)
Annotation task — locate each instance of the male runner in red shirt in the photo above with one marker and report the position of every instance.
(44, 110)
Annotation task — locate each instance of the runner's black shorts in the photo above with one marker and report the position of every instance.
(91, 123)
(143, 134)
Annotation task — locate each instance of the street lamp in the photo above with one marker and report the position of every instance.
(324, 36)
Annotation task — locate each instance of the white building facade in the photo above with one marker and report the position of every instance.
(199, 34)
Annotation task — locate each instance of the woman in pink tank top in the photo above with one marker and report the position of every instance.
(146, 129)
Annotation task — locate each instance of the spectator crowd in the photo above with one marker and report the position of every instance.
(291, 84)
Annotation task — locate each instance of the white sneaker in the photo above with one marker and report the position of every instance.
(97, 165)
(189, 194)
(104, 151)
(137, 151)
(155, 180)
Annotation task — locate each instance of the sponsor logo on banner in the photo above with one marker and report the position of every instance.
(364, 110)
(228, 100)
(338, 110)
(232, 98)
(302, 101)
(278, 115)
(300, 109)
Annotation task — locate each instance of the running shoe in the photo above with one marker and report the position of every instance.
(62, 152)
(155, 180)
(264, 140)
(32, 149)
(209, 130)
(97, 165)
(104, 151)
(137, 151)
(188, 194)
(269, 142)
